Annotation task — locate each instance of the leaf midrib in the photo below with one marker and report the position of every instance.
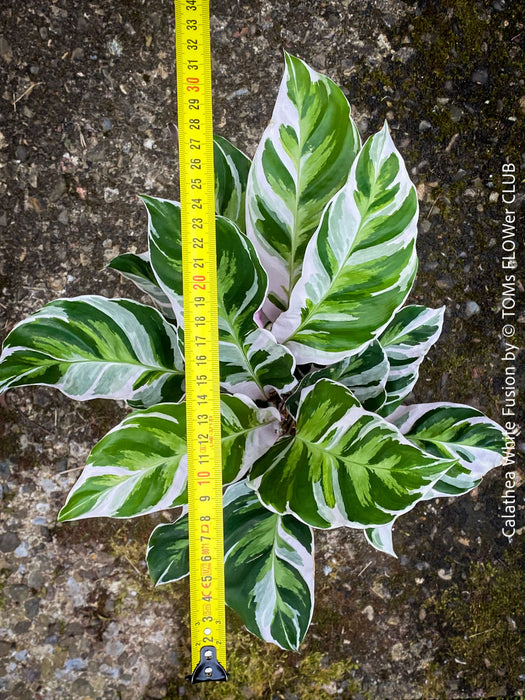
(234, 334)
(316, 306)
(364, 465)
(153, 368)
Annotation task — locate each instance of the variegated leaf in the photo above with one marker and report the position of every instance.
(381, 538)
(165, 250)
(269, 566)
(247, 432)
(251, 361)
(140, 466)
(257, 366)
(137, 268)
(164, 232)
(344, 465)
(303, 158)
(168, 555)
(453, 431)
(90, 347)
(364, 374)
(269, 569)
(359, 266)
(406, 341)
(231, 168)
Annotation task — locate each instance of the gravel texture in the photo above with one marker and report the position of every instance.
(87, 100)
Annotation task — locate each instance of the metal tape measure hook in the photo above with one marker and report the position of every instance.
(208, 669)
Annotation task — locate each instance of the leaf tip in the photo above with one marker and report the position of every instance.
(62, 516)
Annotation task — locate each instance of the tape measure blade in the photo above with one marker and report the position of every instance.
(197, 191)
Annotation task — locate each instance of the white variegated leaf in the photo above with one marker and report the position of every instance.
(140, 466)
(381, 538)
(359, 266)
(247, 432)
(344, 465)
(165, 250)
(451, 430)
(268, 563)
(168, 556)
(303, 158)
(137, 268)
(364, 374)
(269, 568)
(251, 361)
(406, 341)
(447, 430)
(90, 348)
(164, 234)
(231, 168)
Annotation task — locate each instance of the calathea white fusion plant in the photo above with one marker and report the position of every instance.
(316, 247)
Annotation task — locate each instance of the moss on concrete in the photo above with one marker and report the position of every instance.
(482, 620)
(262, 672)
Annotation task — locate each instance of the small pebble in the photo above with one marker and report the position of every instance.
(63, 217)
(471, 309)
(75, 664)
(445, 283)
(18, 592)
(21, 551)
(115, 47)
(397, 652)
(8, 542)
(422, 566)
(455, 113)
(31, 607)
(110, 194)
(35, 580)
(459, 175)
(369, 612)
(21, 153)
(424, 125)
(237, 93)
(5, 50)
(480, 76)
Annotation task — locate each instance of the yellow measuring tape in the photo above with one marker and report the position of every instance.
(197, 195)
